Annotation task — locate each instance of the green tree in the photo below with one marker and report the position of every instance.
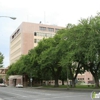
(50, 58)
(17, 68)
(92, 41)
(1, 59)
(84, 46)
(71, 51)
(11, 70)
(34, 54)
(63, 76)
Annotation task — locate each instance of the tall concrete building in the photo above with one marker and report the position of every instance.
(26, 37)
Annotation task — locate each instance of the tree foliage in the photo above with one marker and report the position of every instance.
(71, 51)
(1, 59)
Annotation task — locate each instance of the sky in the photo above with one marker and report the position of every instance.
(53, 12)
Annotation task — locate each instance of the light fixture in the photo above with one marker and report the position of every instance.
(9, 17)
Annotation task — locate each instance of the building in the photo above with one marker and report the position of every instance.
(15, 79)
(3, 75)
(26, 37)
(85, 78)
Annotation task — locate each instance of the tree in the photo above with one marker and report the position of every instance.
(50, 58)
(84, 46)
(93, 46)
(12, 70)
(63, 76)
(1, 59)
(21, 67)
(71, 51)
(34, 54)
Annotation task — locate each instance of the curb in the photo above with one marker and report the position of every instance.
(67, 89)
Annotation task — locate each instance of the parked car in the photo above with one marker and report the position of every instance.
(3, 85)
(19, 86)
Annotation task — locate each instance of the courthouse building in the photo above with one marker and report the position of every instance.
(26, 37)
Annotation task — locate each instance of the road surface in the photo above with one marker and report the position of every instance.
(8, 93)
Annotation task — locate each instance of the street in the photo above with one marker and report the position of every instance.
(9, 93)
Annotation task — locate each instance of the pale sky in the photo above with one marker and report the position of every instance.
(58, 12)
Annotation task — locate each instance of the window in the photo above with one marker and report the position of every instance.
(43, 34)
(17, 30)
(80, 78)
(36, 40)
(15, 33)
(51, 29)
(49, 35)
(35, 34)
(56, 30)
(42, 28)
(12, 36)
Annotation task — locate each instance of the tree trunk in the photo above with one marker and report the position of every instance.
(62, 82)
(74, 76)
(56, 82)
(96, 82)
(56, 75)
(95, 76)
(41, 82)
(73, 82)
(95, 73)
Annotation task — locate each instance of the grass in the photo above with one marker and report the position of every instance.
(85, 86)
(77, 86)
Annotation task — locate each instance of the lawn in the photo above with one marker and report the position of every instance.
(77, 86)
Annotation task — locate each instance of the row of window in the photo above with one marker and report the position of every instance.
(44, 34)
(15, 45)
(48, 29)
(15, 59)
(41, 28)
(36, 40)
(82, 78)
(15, 33)
(16, 52)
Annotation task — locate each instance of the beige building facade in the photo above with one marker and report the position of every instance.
(26, 37)
(15, 79)
(85, 78)
(3, 74)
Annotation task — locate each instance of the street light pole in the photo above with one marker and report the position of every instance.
(31, 81)
(9, 17)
